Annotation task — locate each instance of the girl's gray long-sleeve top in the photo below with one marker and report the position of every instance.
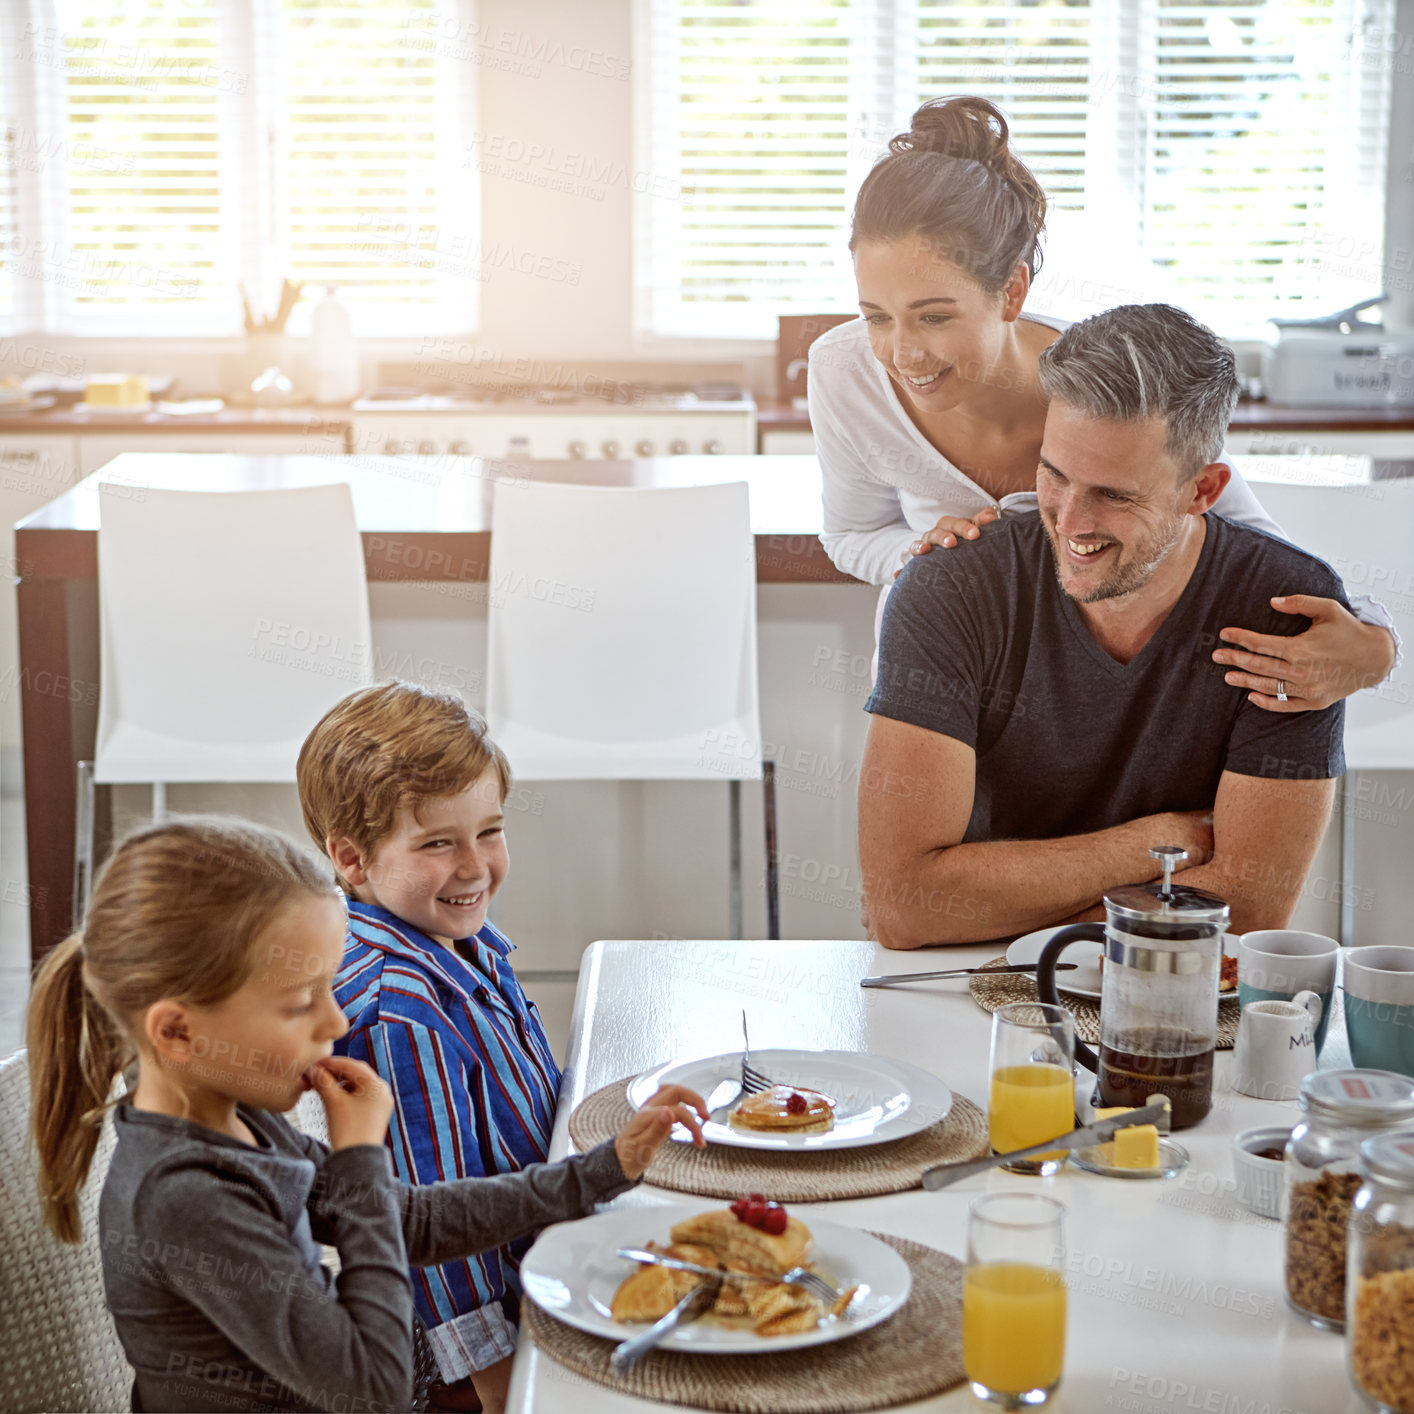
(212, 1270)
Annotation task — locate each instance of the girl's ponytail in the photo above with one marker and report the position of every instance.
(74, 1052)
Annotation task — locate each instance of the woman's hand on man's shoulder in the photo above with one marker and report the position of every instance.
(948, 532)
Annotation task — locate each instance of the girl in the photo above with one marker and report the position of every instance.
(927, 412)
(207, 955)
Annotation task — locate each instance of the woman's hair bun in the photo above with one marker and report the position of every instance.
(970, 128)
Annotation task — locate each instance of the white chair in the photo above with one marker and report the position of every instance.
(1365, 532)
(622, 640)
(58, 1348)
(230, 622)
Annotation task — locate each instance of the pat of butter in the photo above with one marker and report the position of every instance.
(1137, 1147)
(115, 390)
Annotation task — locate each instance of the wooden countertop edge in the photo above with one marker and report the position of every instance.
(773, 416)
(416, 556)
(1248, 417)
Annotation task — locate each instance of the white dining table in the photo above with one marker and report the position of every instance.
(1176, 1298)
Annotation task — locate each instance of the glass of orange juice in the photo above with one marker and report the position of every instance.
(1013, 1299)
(1033, 1089)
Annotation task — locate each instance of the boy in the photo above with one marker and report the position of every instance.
(402, 788)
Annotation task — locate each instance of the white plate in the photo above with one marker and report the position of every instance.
(1085, 980)
(572, 1272)
(876, 1099)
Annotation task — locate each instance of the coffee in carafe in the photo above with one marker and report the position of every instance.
(1159, 1060)
(1159, 995)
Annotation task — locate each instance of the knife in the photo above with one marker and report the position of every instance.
(697, 1302)
(941, 1175)
(891, 980)
(676, 1264)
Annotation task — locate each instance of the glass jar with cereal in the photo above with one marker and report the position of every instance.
(1379, 1320)
(1340, 1109)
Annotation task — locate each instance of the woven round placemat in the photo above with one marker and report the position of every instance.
(992, 992)
(916, 1353)
(811, 1176)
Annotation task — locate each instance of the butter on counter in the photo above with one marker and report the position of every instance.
(116, 390)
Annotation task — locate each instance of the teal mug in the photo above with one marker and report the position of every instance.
(1274, 964)
(1379, 1007)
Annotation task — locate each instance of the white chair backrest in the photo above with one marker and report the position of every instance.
(58, 1348)
(1366, 534)
(231, 622)
(622, 632)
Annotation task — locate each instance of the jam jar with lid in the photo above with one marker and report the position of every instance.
(1379, 1321)
(1340, 1109)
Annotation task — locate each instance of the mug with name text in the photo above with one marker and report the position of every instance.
(1276, 1047)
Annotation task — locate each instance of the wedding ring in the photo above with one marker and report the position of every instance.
(1281, 689)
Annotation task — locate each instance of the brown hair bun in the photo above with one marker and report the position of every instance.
(954, 177)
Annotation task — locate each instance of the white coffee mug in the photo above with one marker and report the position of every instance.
(1276, 1047)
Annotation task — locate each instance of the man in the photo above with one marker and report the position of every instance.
(1050, 685)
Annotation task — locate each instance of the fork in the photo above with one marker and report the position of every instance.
(752, 1081)
(812, 1282)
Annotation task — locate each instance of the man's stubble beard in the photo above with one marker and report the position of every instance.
(1126, 579)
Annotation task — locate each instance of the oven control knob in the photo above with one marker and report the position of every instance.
(677, 447)
(391, 447)
(610, 449)
(643, 449)
(427, 449)
(712, 447)
(578, 450)
(459, 448)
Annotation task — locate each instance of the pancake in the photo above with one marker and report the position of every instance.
(785, 1108)
(721, 1239)
(738, 1244)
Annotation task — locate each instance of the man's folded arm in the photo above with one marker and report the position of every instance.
(923, 885)
(1265, 836)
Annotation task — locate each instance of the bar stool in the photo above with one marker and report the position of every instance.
(622, 642)
(230, 622)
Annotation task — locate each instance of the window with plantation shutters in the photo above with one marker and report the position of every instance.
(181, 150)
(1227, 155)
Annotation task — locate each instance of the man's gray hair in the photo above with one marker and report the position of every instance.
(1148, 360)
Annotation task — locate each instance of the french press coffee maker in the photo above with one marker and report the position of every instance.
(1159, 993)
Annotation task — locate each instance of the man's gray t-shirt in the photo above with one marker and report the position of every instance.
(981, 643)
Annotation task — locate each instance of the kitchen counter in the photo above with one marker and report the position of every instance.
(779, 416)
(75, 421)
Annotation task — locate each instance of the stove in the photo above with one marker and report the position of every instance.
(599, 420)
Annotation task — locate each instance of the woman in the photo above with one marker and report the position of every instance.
(928, 414)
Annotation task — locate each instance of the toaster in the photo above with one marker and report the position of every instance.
(1335, 361)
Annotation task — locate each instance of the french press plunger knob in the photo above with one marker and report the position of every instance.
(1169, 857)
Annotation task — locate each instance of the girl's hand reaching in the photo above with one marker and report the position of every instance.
(950, 531)
(357, 1102)
(638, 1140)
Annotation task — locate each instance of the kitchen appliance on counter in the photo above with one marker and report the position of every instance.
(1338, 361)
(558, 424)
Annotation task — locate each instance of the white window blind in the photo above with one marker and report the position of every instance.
(376, 198)
(187, 148)
(1223, 155)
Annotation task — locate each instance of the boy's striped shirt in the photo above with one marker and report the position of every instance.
(474, 1086)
